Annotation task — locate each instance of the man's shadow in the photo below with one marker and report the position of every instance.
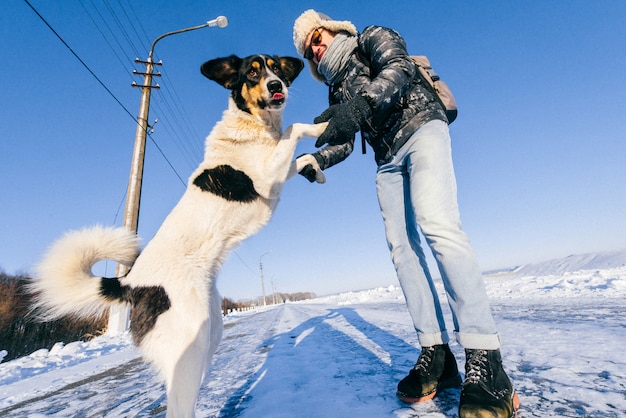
(355, 360)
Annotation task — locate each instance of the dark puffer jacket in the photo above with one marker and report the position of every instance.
(381, 70)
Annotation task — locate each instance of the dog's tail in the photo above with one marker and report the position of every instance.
(64, 284)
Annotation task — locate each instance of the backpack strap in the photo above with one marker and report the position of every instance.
(440, 89)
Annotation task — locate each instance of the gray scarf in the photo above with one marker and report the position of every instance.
(334, 63)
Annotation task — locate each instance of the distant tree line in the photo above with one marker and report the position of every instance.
(228, 305)
(21, 334)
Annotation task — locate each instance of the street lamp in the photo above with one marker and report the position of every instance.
(273, 291)
(118, 315)
(263, 281)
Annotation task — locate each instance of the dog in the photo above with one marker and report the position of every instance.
(175, 319)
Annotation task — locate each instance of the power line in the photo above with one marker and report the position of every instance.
(79, 59)
(169, 109)
(106, 40)
(102, 84)
(132, 25)
(121, 27)
(137, 22)
(172, 108)
(121, 48)
(168, 161)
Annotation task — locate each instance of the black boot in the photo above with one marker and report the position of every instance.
(487, 391)
(435, 370)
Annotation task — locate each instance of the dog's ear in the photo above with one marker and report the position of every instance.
(291, 67)
(224, 71)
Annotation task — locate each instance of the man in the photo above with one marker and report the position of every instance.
(375, 89)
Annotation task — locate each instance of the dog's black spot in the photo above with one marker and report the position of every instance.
(148, 302)
(112, 290)
(228, 183)
(240, 101)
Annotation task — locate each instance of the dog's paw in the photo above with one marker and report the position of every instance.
(318, 129)
(303, 130)
(308, 160)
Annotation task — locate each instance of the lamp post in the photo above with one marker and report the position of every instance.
(273, 291)
(262, 280)
(118, 315)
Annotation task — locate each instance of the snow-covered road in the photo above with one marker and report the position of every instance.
(338, 357)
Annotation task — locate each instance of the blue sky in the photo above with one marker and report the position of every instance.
(539, 145)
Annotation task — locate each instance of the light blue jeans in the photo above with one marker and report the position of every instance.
(417, 190)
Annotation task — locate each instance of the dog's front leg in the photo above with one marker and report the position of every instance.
(302, 130)
(279, 166)
(299, 163)
(302, 161)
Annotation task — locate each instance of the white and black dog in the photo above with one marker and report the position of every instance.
(176, 318)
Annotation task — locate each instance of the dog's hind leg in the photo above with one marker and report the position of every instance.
(216, 324)
(183, 383)
(177, 346)
(183, 380)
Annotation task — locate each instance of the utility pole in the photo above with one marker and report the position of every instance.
(273, 292)
(262, 280)
(119, 315)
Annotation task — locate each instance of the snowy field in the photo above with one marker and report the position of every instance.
(562, 324)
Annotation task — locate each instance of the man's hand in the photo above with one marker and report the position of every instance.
(344, 121)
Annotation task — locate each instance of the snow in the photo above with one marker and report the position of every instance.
(561, 322)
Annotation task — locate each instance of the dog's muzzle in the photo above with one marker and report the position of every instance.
(275, 88)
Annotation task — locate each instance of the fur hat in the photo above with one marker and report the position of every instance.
(310, 20)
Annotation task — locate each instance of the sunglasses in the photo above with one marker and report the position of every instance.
(316, 39)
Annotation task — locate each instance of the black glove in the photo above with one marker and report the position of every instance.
(344, 121)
